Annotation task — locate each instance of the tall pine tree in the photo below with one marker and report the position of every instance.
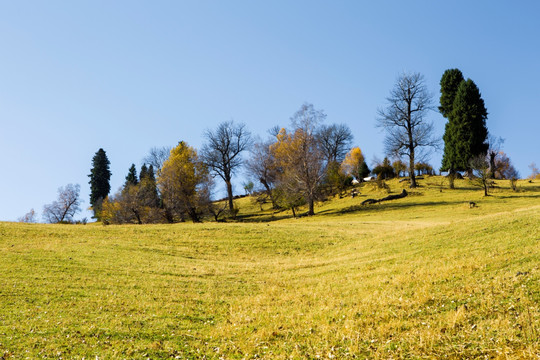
(100, 175)
(449, 85)
(148, 186)
(131, 178)
(466, 133)
(144, 172)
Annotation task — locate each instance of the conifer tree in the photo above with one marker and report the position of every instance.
(100, 176)
(144, 172)
(148, 186)
(151, 172)
(449, 85)
(131, 178)
(363, 171)
(466, 133)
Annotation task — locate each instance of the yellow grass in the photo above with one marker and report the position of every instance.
(421, 277)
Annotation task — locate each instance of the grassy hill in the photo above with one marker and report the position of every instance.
(421, 277)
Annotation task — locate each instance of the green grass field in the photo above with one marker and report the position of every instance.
(420, 277)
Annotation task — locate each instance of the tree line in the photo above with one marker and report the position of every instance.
(298, 165)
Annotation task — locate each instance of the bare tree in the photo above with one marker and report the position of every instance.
(67, 205)
(480, 168)
(29, 217)
(335, 141)
(300, 157)
(262, 166)
(534, 171)
(222, 152)
(157, 156)
(495, 146)
(404, 120)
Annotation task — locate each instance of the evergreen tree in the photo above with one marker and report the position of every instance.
(131, 178)
(100, 176)
(144, 172)
(466, 133)
(384, 170)
(148, 185)
(363, 171)
(449, 85)
(151, 172)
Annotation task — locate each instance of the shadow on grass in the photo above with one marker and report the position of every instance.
(262, 218)
(521, 195)
(529, 192)
(388, 206)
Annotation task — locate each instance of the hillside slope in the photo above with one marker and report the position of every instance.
(423, 276)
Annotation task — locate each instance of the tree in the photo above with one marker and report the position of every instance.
(100, 176)
(449, 85)
(513, 175)
(222, 152)
(423, 168)
(67, 205)
(400, 167)
(132, 204)
(131, 177)
(364, 171)
(534, 171)
(480, 167)
(404, 120)
(494, 150)
(355, 165)
(136, 202)
(148, 186)
(335, 140)
(336, 180)
(29, 217)
(248, 187)
(157, 156)
(185, 183)
(300, 157)
(465, 133)
(384, 170)
(144, 172)
(262, 166)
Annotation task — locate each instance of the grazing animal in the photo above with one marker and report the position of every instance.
(471, 204)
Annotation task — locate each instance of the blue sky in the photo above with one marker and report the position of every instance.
(129, 75)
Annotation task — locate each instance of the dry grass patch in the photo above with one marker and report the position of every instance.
(421, 277)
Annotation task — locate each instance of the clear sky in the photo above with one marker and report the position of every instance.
(76, 76)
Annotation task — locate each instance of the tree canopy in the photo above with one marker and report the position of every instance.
(466, 132)
(185, 183)
(222, 152)
(449, 85)
(100, 176)
(404, 120)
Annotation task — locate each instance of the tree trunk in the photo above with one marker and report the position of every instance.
(411, 169)
(137, 216)
(193, 215)
(269, 193)
(311, 210)
(451, 178)
(492, 156)
(230, 194)
(411, 140)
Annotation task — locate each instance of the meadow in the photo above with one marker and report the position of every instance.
(426, 276)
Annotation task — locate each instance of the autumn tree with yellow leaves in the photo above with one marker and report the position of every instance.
(355, 165)
(185, 183)
(299, 156)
